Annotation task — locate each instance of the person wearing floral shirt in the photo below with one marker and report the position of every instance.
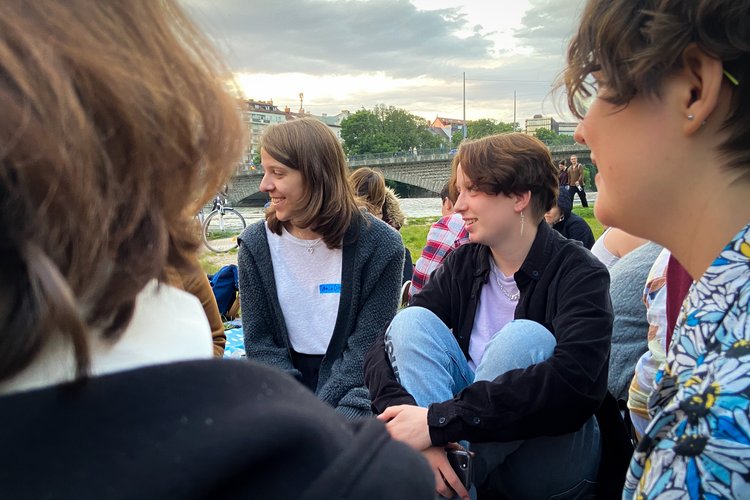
(661, 91)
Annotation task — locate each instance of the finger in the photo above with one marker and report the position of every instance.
(443, 489)
(454, 482)
(389, 413)
(454, 446)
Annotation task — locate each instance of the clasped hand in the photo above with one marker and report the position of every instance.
(408, 424)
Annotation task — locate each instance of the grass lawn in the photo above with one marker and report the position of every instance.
(414, 233)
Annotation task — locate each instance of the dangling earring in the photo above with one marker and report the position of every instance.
(523, 219)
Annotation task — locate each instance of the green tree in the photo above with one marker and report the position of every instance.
(552, 138)
(385, 129)
(482, 128)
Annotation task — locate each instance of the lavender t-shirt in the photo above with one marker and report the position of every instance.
(495, 310)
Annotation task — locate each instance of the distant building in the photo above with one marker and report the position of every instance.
(439, 133)
(567, 128)
(539, 121)
(258, 115)
(449, 126)
(333, 122)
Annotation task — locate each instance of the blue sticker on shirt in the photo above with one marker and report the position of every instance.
(330, 288)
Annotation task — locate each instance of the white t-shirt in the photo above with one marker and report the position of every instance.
(602, 253)
(168, 325)
(308, 284)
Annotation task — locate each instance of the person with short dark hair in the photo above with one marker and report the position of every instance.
(662, 91)
(570, 225)
(320, 279)
(506, 347)
(445, 235)
(448, 200)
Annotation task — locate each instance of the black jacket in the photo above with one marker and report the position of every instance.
(199, 429)
(564, 288)
(574, 227)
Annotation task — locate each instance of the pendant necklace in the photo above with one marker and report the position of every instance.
(513, 297)
(311, 246)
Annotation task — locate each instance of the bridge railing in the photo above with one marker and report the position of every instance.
(415, 155)
(399, 156)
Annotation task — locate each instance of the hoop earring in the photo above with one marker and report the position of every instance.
(523, 220)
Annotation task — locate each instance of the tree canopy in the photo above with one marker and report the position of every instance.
(482, 128)
(551, 138)
(385, 129)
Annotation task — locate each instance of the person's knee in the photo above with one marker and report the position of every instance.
(409, 325)
(524, 334)
(519, 344)
(408, 328)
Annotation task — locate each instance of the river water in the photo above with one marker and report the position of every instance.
(412, 207)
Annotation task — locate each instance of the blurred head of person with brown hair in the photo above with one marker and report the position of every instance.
(115, 130)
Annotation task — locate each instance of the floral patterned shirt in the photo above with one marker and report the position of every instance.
(698, 442)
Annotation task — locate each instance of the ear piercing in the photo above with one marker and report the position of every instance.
(691, 117)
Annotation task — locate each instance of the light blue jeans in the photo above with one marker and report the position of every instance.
(429, 363)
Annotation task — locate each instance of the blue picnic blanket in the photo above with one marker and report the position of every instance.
(235, 347)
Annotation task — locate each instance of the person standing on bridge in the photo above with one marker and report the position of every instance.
(319, 278)
(662, 89)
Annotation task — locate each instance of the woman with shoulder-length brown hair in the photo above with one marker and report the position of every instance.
(369, 186)
(382, 202)
(116, 128)
(320, 279)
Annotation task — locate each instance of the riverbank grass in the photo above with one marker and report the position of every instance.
(414, 233)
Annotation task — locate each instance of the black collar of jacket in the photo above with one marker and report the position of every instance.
(533, 265)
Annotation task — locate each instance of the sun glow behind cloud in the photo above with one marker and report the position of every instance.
(354, 54)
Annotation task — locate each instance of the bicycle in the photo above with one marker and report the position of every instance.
(222, 226)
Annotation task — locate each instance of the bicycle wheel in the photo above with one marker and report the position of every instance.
(220, 230)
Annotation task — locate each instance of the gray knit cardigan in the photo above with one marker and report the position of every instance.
(372, 263)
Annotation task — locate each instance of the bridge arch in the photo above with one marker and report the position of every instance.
(429, 170)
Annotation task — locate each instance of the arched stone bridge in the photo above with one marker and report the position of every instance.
(428, 170)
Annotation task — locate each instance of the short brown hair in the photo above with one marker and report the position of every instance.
(369, 186)
(512, 163)
(328, 206)
(116, 128)
(636, 44)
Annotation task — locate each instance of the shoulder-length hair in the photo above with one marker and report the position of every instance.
(328, 205)
(512, 163)
(369, 187)
(116, 128)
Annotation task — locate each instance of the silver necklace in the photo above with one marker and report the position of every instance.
(513, 297)
(311, 246)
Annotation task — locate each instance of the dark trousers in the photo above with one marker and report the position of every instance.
(581, 195)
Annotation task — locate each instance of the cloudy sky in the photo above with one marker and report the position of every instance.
(349, 54)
